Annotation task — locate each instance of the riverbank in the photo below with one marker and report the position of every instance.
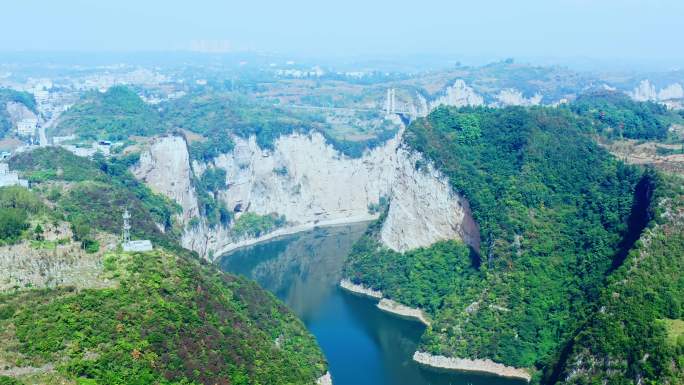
(468, 365)
(325, 379)
(396, 308)
(284, 231)
(385, 304)
(360, 289)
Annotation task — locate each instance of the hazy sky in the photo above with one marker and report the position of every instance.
(651, 29)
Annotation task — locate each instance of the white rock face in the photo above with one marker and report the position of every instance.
(325, 379)
(644, 91)
(467, 365)
(401, 310)
(458, 95)
(419, 107)
(424, 209)
(306, 179)
(360, 289)
(673, 91)
(165, 168)
(309, 182)
(513, 97)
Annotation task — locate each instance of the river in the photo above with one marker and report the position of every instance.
(363, 345)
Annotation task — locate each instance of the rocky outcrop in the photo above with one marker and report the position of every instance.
(325, 379)
(360, 289)
(458, 95)
(305, 179)
(385, 304)
(464, 364)
(302, 178)
(423, 208)
(310, 183)
(165, 168)
(673, 91)
(644, 91)
(396, 308)
(513, 97)
(53, 264)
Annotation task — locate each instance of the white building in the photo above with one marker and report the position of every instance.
(142, 245)
(10, 178)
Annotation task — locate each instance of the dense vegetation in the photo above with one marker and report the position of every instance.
(420, 278)
(16, 204)
(95, 192)
(216, 117)
(120, 113)
(553, 210)
(115, 114)
(161, 317)
(6, 96)
(636, 336)
(212, 208)
(618, 116)
(170, 320)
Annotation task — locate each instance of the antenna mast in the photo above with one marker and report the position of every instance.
(126, 231)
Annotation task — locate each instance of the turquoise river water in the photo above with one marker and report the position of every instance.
(363, 345)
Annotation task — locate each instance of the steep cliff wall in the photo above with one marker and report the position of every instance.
(458, 95)
(306, 179)
(423, 208)
(310, 183)
(165, 167)
(513, 97)
(646, 91)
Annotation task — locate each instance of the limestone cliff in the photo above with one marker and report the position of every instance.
(308, 181)
(673, 91)
(513, 97)
(165, 167)
(458, 95)
(423, 208)
(646, 91)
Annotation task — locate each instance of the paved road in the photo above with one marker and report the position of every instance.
(41, 131)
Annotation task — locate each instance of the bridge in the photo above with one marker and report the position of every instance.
(390, 108)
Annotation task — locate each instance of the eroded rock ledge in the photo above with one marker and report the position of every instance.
(468, 365)
(386, 304)
(395, 307)
(360, 289)
(325, 379)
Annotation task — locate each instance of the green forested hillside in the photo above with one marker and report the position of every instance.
(616, 115)
(160, 317)
(94, 193)
(114, 115)
(120, 113)
(637, 334)
(170, 320)
(555, 215)
(8, 95)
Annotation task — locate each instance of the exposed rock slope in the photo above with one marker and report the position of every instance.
(309, 182)
(458, 95)
(423, 207)
(165, 167)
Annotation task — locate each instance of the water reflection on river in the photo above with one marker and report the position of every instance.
(363, 345)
